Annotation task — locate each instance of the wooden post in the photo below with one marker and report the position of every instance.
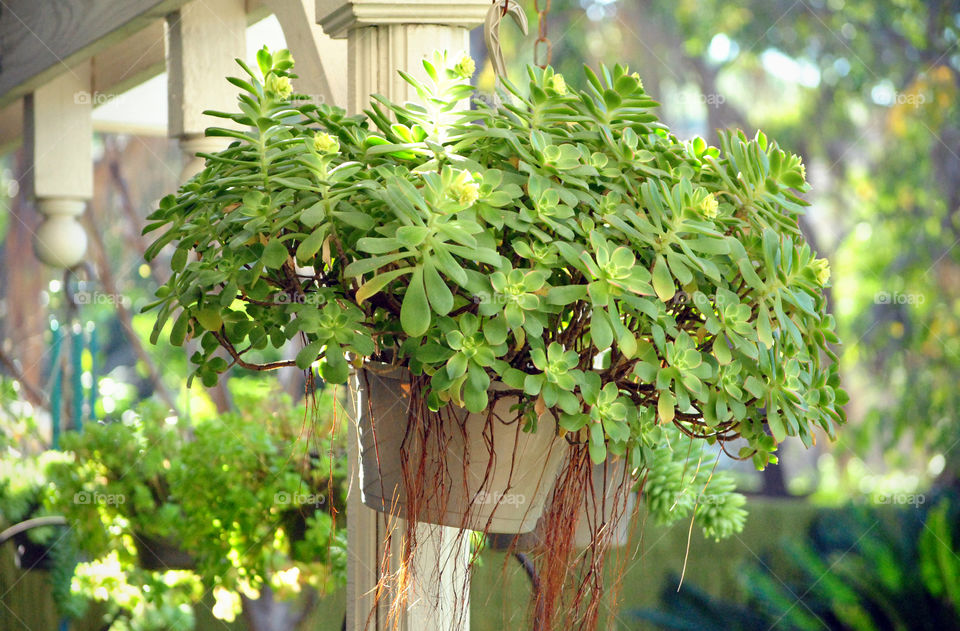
(59, 137)
(203, 39)
(384, 36)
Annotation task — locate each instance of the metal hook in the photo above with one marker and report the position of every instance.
(491, 32)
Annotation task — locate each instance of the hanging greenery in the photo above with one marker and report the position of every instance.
(553, 245)
(221, 504)
(563, 243)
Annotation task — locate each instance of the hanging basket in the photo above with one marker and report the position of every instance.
(471, 471)
(28, 554)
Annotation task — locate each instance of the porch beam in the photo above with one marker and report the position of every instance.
(204, 37)
(42, 39)
(318, 56)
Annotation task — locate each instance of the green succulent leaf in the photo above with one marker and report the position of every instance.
(415, 312)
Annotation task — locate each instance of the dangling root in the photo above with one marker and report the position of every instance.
(569, 587)
(427, 491)
(587, 500)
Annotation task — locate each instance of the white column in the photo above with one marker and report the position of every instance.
(384, 36)
(58, 137)
(203, 39)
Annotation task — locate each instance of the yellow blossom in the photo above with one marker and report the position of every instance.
(821, 270)
(465, 67)
(559, 84)
(464, 189)
(280, 86)
(636, 75)
(709, 206)
(325, 143)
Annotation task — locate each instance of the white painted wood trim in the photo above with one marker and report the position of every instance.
(384, 36)
(59, 136)
(45, 38)
(59, 142)
(204, 38)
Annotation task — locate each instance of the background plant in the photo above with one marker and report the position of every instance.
(901, 574)
(252, 513)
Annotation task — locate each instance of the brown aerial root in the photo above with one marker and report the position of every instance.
(594, 503)
(428, 489)
(422, 564)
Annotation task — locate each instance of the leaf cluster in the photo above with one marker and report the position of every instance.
(562, 242)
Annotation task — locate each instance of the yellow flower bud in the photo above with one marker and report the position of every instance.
(280, 86)
(636, 75)
(465, 67)
(821, 269)
(559, 84)
(709, 206)
(325, 143)
(464, 189)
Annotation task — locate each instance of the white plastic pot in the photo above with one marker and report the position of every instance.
(472, 474)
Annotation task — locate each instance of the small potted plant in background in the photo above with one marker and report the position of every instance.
(120, 475)
(556, 267)
(241, 511)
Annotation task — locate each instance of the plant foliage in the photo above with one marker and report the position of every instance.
(562, 242)
(228, 491)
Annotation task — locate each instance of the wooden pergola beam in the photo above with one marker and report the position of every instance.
(41, 40)
(130, 62)
(140, 56)
(116, 69)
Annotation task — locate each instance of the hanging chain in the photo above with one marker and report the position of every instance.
(543, 47)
